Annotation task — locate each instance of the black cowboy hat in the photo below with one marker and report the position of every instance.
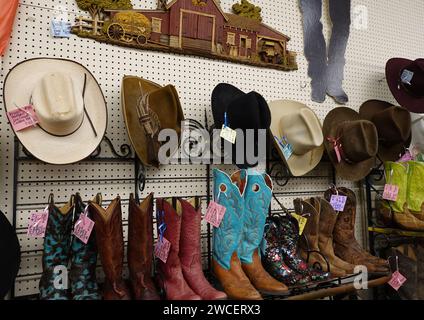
(244, 111)
(10, 256)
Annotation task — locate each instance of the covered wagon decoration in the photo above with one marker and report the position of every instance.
(194, 27)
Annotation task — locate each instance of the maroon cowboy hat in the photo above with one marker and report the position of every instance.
(406, 82)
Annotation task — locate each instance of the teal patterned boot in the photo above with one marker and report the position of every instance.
(257, 198)
(226, 239)
(57, 244)
(84, 261)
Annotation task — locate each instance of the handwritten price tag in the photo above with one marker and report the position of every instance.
(302, 222)
(228, 134)
(397, 280)
(390, 192)
(338, 202)
(22, 118)
(215, 214)
(37, 224)
(162, 249)
(83, 228)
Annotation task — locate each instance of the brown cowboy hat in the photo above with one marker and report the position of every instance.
(357, 140)
(149, 108)
(393, 126)
(406, 82)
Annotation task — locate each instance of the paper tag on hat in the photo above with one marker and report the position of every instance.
(397, 280)
(83, 227)
(228, 134)
(285, 147)
(215, 214)
(406, 157)
(301, 220)
(338, 202)
(406, 76)
(38, 223)
(338, 153)
(23, 118)
(390, 192)
(162, 249)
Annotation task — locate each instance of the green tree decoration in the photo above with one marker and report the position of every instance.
(247, 9)
(95, 7)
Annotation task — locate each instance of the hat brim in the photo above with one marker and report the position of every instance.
(18, 87)
(10, 256)
(393, 68)
(298, 165)
(347, 171)
(385, 153)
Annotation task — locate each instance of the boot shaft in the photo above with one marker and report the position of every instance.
(309, 209)
(227, 237)
(110, 237)
(257, 197)
(190, 246)
(140, 235)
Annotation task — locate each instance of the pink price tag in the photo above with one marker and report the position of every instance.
(38, 223)
(390, 192)
(338, 202)
(162, 249)
(215, 214)
(23, 118)
(397, 280)
(406, 157)
(83, 228)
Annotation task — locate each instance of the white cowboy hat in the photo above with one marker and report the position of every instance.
(303, 131)
(68, 102)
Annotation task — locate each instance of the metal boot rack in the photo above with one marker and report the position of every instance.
(334, 289)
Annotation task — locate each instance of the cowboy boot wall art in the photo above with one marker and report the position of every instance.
(258, 195)
(83, 261)
(226, 264)
(326, 70)
(140, 248)
(56, 250)
(190, 251)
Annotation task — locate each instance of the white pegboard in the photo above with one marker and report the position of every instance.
(394, 29)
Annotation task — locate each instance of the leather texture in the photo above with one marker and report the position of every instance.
(83, 261)
(328, 218)
(346, 246)
(190, 252)
(110, 244)
(140, 248)
(171, 275)
(257, 197)
(309, 242)
(56, 249)
(226, 239)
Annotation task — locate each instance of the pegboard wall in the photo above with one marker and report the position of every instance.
(380, 30)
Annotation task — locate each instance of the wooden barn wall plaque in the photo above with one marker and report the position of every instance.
(194, 27)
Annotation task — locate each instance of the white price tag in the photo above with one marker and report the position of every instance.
(228, 134)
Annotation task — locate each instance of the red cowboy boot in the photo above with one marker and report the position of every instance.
(171, 277)
(190, 253)
(140, 248)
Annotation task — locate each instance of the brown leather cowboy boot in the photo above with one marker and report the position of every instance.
(171, 276)
(327, 221)
(140, 248)
(345, 244)
(190, 252)
(309, 242)
(110, 243)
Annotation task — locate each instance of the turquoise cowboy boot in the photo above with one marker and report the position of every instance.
(84, 261)
(226, 239)
(257, 199)
(56, 253)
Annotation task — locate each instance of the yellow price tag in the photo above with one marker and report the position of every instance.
(302, 222)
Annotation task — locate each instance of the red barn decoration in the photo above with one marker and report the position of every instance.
(196, 27)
